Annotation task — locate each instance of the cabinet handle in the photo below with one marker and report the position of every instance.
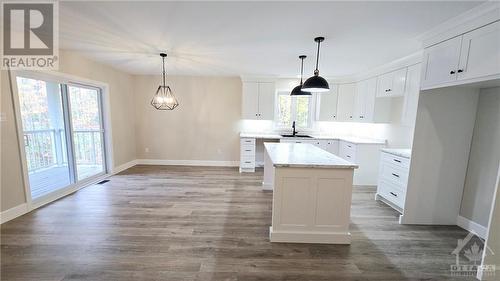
(248, 150)
(334, 116)
(393, 194)
(452, 72)
(396, 175)
(396, 160)
(361, 116)
(248, 162)
(350, 117)
(349, 146)
(460, 71)
(348, 156)
(388, 90)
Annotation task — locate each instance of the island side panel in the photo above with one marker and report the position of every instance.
(311, 205)
(268, 182)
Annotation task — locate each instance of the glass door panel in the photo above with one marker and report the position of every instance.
(44, 135)
(88, 133)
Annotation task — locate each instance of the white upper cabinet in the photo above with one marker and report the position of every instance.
(441, 62)
(367, 107)
(267, 92)
(480, 54)
(392, 84)
(258, 100)
(409, 112)
(471, 57)
(346, 99)
(328, 104)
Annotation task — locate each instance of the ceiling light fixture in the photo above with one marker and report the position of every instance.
(164, 99)
(316, 83)
(297, 91)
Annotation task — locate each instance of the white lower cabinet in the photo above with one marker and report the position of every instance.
(366, 156)
(247, 155)
(393, 179)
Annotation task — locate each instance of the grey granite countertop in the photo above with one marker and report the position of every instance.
(351, 139)
(304, 155)
(402, 152)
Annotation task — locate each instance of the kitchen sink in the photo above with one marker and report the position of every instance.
(296, 136)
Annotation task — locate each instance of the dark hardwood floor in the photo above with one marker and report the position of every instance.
(208, 223)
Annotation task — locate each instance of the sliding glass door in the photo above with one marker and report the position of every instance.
(87, 130)
(62, 132)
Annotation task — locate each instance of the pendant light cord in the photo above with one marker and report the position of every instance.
(317, 60)
(163, 68)
(301, 70)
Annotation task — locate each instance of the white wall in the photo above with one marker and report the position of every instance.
(483, 160)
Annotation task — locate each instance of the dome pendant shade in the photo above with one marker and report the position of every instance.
(164, 99)
(297, 91)
(316, 83)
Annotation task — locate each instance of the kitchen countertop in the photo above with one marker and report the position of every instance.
(304, 155)
(351, 139)
(406, 153)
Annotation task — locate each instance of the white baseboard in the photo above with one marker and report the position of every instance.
(124, 166)
(13, 213)
(471, 226)
(188, 162)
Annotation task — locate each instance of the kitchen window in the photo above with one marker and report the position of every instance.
(294, 108)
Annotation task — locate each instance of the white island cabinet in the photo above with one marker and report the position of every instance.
(312, 194)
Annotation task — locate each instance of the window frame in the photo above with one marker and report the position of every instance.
(293, 111)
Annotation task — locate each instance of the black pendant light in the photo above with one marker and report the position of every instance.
(316, 83)
(297, 91)
(164, 99)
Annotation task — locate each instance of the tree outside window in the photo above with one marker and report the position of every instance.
(294, 108)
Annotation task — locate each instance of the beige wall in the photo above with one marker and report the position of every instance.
(12, 188)
(205, 126)
(484, 158)
(122, 122)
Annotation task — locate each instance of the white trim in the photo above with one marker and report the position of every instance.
(124, 166)
(472, 19)
(13, 213)
(471, 226)
(188, 162)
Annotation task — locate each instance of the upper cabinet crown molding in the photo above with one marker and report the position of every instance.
(472, 19)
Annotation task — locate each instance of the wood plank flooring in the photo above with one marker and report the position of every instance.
(208, 223)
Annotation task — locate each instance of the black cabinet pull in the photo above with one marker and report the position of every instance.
(393, 194)
(361, 116)
(349, 146)
(248, 162)
(396, 175)
(452, 72)
(348, 156)
(396, 160)
(460, 71)
(350, 117)
(247, 150)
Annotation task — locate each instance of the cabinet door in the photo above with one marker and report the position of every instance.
(345, 104)
(328, 105)
(480, 55)
(384, 84)
(332, 146)
(412, 91)
(267, 93)
(365, 100)
(441, 62)
(250, 100)
(398, 83)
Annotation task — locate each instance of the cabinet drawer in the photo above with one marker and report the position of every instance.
(401, 162)
(394, 174)
(247, 141)
(247, 162)
(391, 193)
(247, 150)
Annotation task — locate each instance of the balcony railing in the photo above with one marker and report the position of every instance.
(47, 148)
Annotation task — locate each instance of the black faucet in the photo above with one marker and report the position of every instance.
(293, 127)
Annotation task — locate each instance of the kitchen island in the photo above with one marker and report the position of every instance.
(312, 191)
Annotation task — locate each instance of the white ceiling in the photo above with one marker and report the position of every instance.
(243, 38)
